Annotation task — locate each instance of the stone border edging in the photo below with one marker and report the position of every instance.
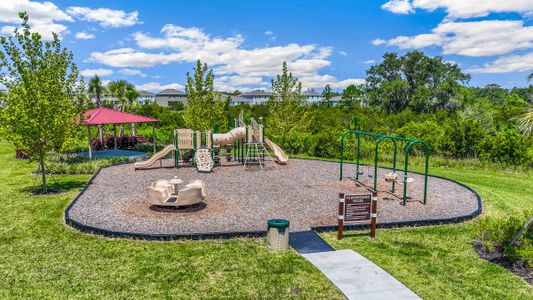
(228, 235)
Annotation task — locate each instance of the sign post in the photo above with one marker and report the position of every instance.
(357, 208)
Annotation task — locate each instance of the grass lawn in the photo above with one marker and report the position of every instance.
(40, 257)
(439, 262)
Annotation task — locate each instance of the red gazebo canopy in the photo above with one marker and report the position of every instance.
(104, 116)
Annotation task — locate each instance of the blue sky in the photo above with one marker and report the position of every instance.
(154, 43)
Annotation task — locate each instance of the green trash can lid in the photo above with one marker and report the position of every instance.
(278, 223)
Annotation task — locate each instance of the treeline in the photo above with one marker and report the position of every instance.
(413, 96)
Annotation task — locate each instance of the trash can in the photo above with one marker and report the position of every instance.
(278, 234)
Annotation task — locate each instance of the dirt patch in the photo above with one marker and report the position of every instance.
(518, 267)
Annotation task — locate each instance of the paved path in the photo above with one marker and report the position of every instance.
(356, 276)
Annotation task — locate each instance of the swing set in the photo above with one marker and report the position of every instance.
(389, 177)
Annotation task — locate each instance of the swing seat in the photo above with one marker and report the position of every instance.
(408, 180)
(390, 177)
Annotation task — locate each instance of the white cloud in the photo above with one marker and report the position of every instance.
(157, 87)
(84, 36)
(398, 6)
(479, 38)
(369, 62)
(461, 8)
(43, 17)
(269, 33)
(513, 63)
(343, 53)
(132, 72)
(99, 72)
(378, 42)
(105, 17)
(127, 57)
(237, 66)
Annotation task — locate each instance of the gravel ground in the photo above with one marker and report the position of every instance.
(303, 191)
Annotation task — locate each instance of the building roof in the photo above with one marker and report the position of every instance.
(171, 92)
(145, 93)
(102, 116)
(256, 93)
(239, 99)
(311, 93)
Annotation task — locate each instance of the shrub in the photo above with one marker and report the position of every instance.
(73, 164)
(429, 131)
(123, 142)
(507, 147)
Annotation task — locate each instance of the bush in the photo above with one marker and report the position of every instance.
(123, 142)
(497, 232)
(74, 164)
(507, 147)
(429, 131)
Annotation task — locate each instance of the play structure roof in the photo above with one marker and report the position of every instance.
(103, 116)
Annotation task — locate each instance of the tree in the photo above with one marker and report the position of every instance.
(97, 89)
(131, 103)
(327, 94)
(525, 122)
(45, 94)
(351, 96)
(204, 107)
(426, 84)
(287, 108)
(119, 89)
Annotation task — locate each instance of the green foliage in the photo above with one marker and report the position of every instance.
(327, 93)
(287, 111)
(466, 136)
(96, 88)
(495, 232)
(425, 84)
(351, 96)
(73, 164)
(429, 131)
(508, 147)
(204, 107)
(45, 95)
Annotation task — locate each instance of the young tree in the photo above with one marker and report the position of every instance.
(351, 96)
(97, 89)
(327, 94)
(45, 95)
(287, 108)
(204, 107)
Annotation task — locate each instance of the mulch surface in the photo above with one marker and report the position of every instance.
(518, 267)
(303, 191)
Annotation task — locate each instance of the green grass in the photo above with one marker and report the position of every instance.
(40, 257)
(440, 262)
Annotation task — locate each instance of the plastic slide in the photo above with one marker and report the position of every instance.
(281, 157)
(157, 156)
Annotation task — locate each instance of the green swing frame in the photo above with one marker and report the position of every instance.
(378, 139)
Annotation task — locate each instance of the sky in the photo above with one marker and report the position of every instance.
(153, 44)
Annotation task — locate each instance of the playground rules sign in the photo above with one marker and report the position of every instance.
(357, 208)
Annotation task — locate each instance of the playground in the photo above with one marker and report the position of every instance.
(237, 201)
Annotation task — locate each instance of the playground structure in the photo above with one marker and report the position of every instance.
(245, 143)
(391, 176)
(168, 193)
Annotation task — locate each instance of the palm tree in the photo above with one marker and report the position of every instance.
(96, 89)
(529, 77)
(118, 89)
(131, 96)
(525, 122)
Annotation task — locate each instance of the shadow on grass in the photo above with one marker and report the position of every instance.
(53, 188)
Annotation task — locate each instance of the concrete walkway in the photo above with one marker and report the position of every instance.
(356, 276)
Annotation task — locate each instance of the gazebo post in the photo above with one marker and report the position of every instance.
(115, 135)
(89, 138)
(153, 135)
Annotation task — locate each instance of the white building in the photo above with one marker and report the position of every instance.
(146, 97)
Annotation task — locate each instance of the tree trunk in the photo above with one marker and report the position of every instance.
(43, 171)
(101, 134)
